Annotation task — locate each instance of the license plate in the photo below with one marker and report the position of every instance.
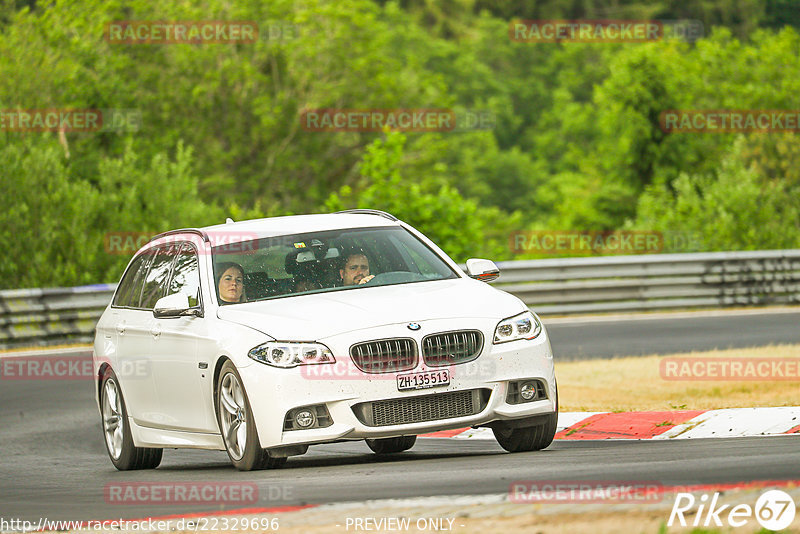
(428, 379)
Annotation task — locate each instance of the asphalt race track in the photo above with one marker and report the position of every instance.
(54, 463)
(642, 334)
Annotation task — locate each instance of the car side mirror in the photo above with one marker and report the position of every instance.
(483, 270)
(175, 305)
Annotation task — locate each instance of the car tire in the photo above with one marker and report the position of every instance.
(532, 438)
(118, 439)
(391, 445)
(236, 424)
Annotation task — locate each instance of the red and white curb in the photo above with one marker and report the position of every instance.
(681, 424)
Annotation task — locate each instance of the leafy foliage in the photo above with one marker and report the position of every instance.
(461, 226)
(737, 207)
(60, 226)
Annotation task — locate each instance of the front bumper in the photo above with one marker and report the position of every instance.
(274, 392)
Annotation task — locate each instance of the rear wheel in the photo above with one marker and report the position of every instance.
(119, 443)
(391, 445)
(237, 426)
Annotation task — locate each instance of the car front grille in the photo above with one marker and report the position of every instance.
(422, 408)
(448, 348)
(385, 355)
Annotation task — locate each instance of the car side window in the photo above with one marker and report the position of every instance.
(130, 288)
(155, 284)
(186, 275)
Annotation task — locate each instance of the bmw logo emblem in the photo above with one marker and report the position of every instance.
(414, 326)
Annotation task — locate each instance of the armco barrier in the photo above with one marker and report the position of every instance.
(31, 317)
(553, 286)
(651, 282)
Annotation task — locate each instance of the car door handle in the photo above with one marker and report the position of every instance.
(121, 328)
(155, 330)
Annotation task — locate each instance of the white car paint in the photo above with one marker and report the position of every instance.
(170, 392)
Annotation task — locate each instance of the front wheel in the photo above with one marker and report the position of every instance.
(119, 443)
(237, 426)
(532, 438)
(391, 445)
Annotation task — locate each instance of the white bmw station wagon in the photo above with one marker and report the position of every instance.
(263, 337)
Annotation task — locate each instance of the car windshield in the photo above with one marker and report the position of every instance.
(320, 262)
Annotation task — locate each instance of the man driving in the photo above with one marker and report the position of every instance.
(355, 270)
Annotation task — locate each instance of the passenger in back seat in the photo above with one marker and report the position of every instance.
(305, 274)
(305, 283)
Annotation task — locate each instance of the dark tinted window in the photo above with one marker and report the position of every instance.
(186, 275)
(131, 285)
(314, 262)
(156, 282)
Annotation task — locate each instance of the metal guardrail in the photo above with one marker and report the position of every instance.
(551, 286)
(30, 317)
(655, 282)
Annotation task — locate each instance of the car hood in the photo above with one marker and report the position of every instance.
(317, 316)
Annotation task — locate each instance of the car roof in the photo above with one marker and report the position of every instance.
(234, 232)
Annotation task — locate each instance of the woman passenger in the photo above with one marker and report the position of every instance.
(230, 283)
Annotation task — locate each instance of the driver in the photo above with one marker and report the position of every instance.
(355, 270)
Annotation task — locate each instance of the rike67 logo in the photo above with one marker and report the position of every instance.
(774, 510)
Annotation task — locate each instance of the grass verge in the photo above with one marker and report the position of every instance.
(636, 384)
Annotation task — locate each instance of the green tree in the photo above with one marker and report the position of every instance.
(45, 219)
(60, 225)
(734, 208)
(460, 226)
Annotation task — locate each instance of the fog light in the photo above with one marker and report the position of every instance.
(527, 391)
(307, 417)
(304, 419)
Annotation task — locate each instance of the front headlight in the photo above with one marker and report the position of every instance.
(283, 354)
(522, 326)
